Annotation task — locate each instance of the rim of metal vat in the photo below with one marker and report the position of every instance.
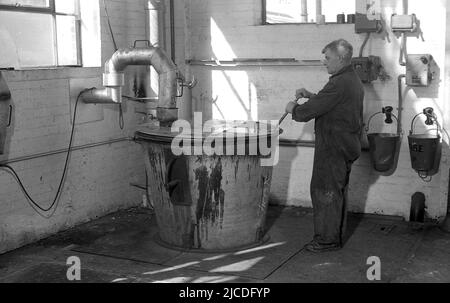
(252, 130)
(159, 241)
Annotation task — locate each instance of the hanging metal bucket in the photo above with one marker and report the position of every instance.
(382, 148)
(423, 148)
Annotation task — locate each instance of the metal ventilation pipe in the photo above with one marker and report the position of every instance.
(172, 30)
(304, 13)
(318, 7)
(114, 80)
(154, 11)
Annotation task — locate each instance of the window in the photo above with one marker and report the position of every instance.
(305, 11)
(40, 33)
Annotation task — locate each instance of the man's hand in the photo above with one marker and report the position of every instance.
(290, 106)
(302, 93)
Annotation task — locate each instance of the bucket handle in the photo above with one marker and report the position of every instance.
(429, 115)
(146, 41)
(368, 122)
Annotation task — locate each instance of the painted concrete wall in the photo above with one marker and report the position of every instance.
(98, 179)
(224, 30)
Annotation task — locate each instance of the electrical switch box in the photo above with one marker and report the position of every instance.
(364, 25)
(418, 70)
(367, 68)
(403, 23)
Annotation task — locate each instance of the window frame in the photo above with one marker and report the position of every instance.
(51, 10)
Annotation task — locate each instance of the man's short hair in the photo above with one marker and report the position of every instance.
(340, 47)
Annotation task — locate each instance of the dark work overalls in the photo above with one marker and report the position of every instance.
(338, 113)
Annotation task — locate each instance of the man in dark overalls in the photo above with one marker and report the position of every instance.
(338, 113)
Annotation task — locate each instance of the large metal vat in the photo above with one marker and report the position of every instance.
(208, 202)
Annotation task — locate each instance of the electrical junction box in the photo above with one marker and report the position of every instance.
(418, 70)
(403, 23)
(364, 25)
(367, 68)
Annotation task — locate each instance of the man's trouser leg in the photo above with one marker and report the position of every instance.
(328, 192)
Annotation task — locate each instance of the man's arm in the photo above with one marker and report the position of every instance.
(318, 104)
(303, 93)
(299, 93)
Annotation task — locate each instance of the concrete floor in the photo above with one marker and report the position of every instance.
(121, 248)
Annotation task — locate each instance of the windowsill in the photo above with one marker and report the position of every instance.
(44, 68)
(303, 24)
(36, 74)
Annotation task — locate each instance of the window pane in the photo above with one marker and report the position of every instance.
(66, 6)
(331, 8)
(290, 11)
(30, 3)
(32, 35)
(67, 40)
(283, 11)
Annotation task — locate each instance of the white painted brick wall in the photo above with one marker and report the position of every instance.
(237, 25)
(98, 179)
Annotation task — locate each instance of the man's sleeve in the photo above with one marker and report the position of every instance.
(319, 104)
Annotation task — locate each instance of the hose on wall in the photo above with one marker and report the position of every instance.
(37, 206)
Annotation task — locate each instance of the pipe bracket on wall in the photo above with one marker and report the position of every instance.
(182, 83)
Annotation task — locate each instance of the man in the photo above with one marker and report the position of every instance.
(338, 113)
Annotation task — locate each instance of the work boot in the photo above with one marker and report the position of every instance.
(314, 246)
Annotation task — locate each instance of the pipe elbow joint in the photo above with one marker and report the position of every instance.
(114, 83)
(97, 96)
(113, 79)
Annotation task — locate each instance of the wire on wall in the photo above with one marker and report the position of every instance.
(66, 166)
(109, 25)
(361, 50)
